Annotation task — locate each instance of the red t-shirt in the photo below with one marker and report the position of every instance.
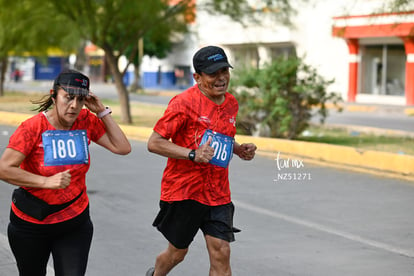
(27, 139)
(185, 120)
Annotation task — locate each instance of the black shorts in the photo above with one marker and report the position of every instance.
(179, 221)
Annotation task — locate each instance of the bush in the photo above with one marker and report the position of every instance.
(280, 99)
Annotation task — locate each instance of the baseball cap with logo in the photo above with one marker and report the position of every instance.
(210, 59)
(73, 82)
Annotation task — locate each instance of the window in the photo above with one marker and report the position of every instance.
(383, 69)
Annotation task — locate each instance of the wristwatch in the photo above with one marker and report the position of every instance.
(191, 155)
(106, 111)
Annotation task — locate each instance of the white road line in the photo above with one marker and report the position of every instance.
(326, 229)
(5, 244)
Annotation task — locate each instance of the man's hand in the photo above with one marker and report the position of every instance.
(246, 151)
(204, 153)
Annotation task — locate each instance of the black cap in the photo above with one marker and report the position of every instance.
(73, 82)
(210, 59)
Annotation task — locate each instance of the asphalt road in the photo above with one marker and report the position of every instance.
(296, 219)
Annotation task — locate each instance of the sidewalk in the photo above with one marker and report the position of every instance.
(381, 108)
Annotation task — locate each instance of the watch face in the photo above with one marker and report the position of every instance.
(191, 155)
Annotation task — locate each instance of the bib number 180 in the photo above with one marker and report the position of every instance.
(62, 147)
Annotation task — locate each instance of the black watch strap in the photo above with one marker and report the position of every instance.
(191, 155)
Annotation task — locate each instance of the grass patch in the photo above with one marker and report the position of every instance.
(145, 115)
(19, 102)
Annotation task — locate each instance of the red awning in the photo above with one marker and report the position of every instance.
(375, 25)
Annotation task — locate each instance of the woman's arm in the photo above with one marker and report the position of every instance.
(11, 172)
(114, 139)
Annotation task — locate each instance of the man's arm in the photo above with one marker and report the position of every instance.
(160, 145)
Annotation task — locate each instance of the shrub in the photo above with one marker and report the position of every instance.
(280, 99)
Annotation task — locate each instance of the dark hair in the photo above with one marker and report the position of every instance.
(45, 102)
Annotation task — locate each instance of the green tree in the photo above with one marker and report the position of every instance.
(27, 27)
(281, 98)
(116, 26)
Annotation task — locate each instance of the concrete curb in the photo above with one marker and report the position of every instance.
(381, 163)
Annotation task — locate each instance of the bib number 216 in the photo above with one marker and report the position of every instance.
(223, 147)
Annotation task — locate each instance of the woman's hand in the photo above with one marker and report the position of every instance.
(94, 104)
(58, 181)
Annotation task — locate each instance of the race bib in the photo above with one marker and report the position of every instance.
(223, 147)
(65, 147)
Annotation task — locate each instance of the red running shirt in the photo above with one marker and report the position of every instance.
(185, 120)
(27, 139)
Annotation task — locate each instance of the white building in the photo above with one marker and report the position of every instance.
(368, 52)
